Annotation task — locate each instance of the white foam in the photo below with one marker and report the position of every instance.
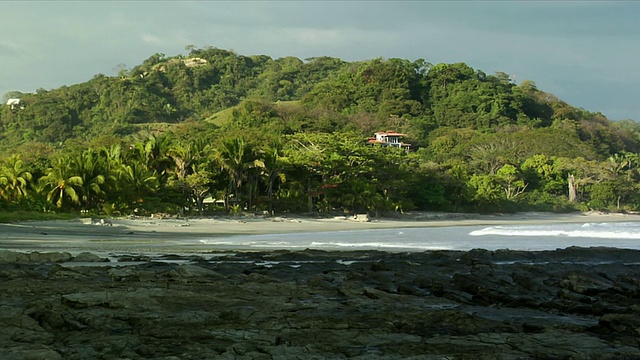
(346, 262)
(278, 244)
(380, 245)
(589, 230)
(515, 237)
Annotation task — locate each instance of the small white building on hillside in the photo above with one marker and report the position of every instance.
(388, 138)
(13, 103)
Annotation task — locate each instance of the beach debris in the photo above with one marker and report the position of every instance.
(163, 216)
(96, 221)
(280, 219)
(361, 218)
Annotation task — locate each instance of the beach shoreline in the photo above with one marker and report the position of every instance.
(148, 234)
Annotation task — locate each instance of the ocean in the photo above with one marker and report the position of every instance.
(624, 235)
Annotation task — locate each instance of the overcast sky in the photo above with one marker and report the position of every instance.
(585, 52)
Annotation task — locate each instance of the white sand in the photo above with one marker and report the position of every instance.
(178, 234)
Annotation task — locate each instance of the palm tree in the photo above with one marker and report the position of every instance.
(154, 152)
(93, 172)
(61, 184)
(189, 159)
(273, 170)
(112, 157)
(187, 156)
(236, 157)
(136, 182)
(617, 164)
(182, 156)
(14, 179)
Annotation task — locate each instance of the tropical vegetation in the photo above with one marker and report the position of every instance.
(258, 134)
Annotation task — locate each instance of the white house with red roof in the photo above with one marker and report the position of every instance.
(388, 138)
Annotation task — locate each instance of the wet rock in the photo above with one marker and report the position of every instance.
(11, 257)
(621, 325)
(193, 271)
(7, 256)
(586, 284)
(317, 305)
(88, 257)
(22, 353)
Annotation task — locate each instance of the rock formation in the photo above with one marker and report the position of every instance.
(566, 304)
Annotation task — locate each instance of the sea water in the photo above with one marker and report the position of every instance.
(625, 235)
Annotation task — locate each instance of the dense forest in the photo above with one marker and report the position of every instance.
(290, 135)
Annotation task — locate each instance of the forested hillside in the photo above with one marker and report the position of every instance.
(289, 135)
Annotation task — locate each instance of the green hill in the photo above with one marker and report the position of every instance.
(465, 127)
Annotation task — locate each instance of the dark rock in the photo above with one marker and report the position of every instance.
(317, 305)
(7, 256)
(88, 257)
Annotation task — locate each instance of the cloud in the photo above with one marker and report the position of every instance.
(151, 39)
(553, 43)
(318, 36)
(10, 51)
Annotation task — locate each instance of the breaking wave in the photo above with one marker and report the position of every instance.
(379, 245)
(514, 237)
(630, 230)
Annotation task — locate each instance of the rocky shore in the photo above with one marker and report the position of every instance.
(577, 303)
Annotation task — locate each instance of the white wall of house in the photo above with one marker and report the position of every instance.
(386, 138)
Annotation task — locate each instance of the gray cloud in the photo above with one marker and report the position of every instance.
(9, 50)
(584, 52)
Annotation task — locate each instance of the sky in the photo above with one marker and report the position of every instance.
(584, 52)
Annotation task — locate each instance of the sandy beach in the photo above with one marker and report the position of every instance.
(177, 234)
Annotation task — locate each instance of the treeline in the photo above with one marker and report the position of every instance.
(288, 135)
(307, 172)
